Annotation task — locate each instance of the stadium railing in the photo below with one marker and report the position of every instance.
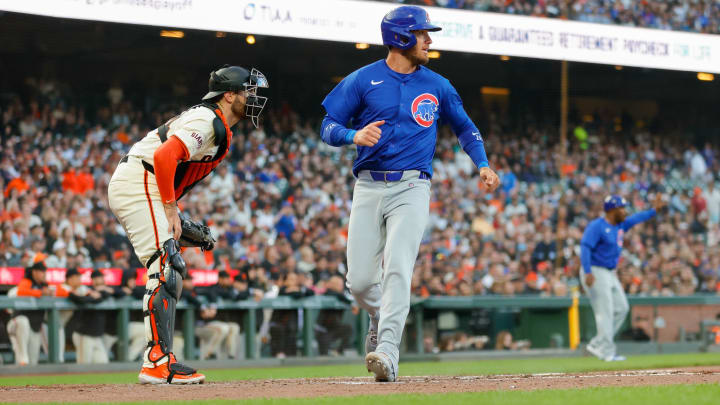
(123, 306)
(312, 305)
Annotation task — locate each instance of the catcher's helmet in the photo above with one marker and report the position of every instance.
(614, 201)
(236, 78)
(397, 26)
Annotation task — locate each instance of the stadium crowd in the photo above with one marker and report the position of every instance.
(682, 15)
(280, 203)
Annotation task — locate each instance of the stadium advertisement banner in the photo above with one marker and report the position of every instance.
(53, 275)
(359, 21)
(200, 277)
(113, 276)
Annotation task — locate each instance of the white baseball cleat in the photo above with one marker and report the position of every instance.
(381, 365)
(594, 351)
(616, 357)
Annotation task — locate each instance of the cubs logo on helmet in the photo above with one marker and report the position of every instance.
(424, 108)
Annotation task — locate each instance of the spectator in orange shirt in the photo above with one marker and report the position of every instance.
(25, 327)
(85, 181)
(19, 184)
(70, 181)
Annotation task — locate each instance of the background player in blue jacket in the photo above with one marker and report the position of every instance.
(600, 250)
(392, 108)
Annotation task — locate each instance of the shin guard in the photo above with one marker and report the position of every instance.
(161, 310)
(162, 301)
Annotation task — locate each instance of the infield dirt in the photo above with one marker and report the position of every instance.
(350, 386)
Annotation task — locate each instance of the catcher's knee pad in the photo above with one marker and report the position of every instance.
(173, 268)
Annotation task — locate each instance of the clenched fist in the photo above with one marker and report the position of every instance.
(490, 178)
(370, 135)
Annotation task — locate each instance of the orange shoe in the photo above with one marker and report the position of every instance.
(170, 373)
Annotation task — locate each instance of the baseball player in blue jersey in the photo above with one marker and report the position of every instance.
(599, 254)
(392, 107)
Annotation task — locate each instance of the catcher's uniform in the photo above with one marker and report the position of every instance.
(133, 193)
(134, 198)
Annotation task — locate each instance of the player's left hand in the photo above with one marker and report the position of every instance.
(659, 202)
(490, 178)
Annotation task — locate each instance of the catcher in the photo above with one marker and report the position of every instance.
(143, 192)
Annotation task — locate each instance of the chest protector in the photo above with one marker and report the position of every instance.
(189, 173)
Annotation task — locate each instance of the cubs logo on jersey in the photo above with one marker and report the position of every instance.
(424, 108)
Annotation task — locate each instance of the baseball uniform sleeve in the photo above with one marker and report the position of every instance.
(452, 111)
(635, 219)
(590, 239)
(166, 158)
(341, 105)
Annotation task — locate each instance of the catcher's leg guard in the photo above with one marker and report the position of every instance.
(160, 363)
(161, 310)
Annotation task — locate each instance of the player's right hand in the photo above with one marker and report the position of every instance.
(370, 135)
(174, 225)
(589, 279)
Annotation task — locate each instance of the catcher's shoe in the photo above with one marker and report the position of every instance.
(382, 366)
(171, 372)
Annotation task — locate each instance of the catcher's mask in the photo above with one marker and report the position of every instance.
(254, 104)
(237, 79)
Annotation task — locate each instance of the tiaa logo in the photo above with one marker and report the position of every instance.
(424, 108)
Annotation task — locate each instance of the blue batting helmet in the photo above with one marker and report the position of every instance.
(614, 201)
(397, 25)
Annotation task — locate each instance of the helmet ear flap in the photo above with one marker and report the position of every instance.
(403, 39)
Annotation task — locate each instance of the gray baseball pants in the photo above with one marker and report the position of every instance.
(387, 221)
(610, 307)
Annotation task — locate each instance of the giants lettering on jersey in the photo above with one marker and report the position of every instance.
(424, 108)
(189, 173)
(198, 138)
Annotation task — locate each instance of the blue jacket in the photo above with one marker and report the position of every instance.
(602, 243)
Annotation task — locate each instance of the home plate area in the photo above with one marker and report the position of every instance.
(319, 387)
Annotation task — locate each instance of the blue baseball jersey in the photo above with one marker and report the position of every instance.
(411, 105)
(602, 242)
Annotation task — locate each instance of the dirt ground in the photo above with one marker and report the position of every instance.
(316, 387)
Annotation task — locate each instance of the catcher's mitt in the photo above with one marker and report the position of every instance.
(195, 234)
